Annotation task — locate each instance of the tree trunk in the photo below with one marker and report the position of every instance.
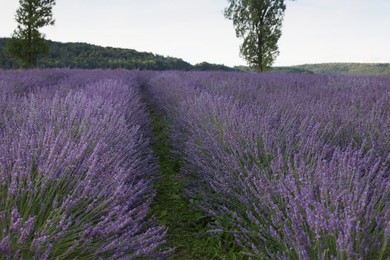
(29, 35)
(260, 52)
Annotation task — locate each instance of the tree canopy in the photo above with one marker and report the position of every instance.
(27, 43)
(258, 23)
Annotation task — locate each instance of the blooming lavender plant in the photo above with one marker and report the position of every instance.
(298, 164)
(76, 169)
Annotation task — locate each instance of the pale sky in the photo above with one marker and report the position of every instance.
(314, 31)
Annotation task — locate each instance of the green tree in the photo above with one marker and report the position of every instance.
(27, 43)
(259, 23)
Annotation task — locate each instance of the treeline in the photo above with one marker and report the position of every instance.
(88, 56)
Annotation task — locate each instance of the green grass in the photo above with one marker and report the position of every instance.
(187, 227)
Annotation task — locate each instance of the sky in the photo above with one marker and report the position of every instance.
(314, 31)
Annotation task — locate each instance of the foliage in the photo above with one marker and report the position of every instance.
(258, 23)
(27, 43)
(205, 66)
(187, 227)
(87, 56)
(278, 166)
(297, 166)
(347, 68)
(379, 69)
(76, 167)
(82, 55)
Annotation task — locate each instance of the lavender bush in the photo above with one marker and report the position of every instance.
(76, 168)
(298, 164)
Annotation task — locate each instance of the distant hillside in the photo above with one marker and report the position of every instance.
(88, 56)
(340, 68)
(382, 69)
(292, 69)
(205, 66)
(348, 68)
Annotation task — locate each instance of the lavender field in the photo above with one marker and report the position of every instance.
(76, 167)
(290, 166)
(294, 166)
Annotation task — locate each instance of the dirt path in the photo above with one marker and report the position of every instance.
(187, 228)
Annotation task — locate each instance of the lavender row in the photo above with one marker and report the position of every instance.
(76, 167)
(298, 165)
(349, 110)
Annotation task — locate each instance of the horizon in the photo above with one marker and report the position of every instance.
(196, 30)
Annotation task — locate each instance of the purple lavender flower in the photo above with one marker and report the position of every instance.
(76, 166)
(298, 164)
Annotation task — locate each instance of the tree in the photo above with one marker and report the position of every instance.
(259, 23)
(27, 43)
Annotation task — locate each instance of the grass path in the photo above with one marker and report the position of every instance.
(187, 228)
